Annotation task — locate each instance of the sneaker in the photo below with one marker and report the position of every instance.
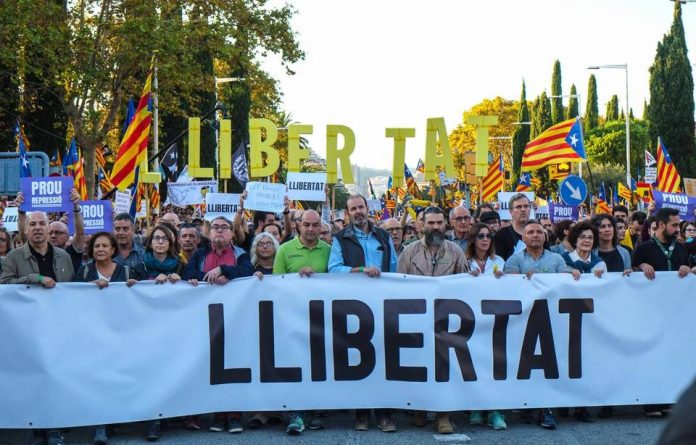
(55, 438)
(316, 424)
(546, 419)
(234, 426)
(100, 435)
(154, 431)
(193, 423)
(218, 426)
(443, 425)
(361, 424)
(296, 425)
(496, 421)
(257, 421)
(653, 414)
(420, 419)
(583, 415)
(386, 424)
(475, 418)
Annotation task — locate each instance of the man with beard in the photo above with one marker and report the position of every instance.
(662, 252)
(433, 256)
(361, 247)
(508, 240)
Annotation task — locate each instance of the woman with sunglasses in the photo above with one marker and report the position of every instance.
(480, 253)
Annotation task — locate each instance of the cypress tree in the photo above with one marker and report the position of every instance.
(592, 110)
(645, 110)
(556, 90)
(573, 103)
(612, 109)
(671, 110)
(541, 115)
(630, 114)
(521, 136)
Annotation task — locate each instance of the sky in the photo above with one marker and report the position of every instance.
(373, 64)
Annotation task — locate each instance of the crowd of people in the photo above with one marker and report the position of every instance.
(434, 243)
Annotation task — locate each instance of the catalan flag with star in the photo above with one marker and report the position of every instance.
(492, 183)
(559, 143)
(133, 148)
(524, 183)
(668, 179)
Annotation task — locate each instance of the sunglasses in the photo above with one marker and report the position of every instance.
(484, 236)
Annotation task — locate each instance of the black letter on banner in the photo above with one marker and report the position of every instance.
(538, 326)
(317, 340)
(218, 373)
(395, 340)
(502, 309)
(444, 340)
(268, 371)
(360, 340)
(575, 307)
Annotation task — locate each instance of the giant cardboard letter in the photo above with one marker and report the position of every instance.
(437, 131)
(399, 135)
(333, 153)
(259, 146)
(225, 153)
(195, 169)
(482, 123)
(295, 153)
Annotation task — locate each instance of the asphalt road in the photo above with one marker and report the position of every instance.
(628, 426)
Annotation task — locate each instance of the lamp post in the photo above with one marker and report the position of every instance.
(628, 125)
(218, 81)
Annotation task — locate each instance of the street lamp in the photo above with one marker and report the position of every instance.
(628, 127)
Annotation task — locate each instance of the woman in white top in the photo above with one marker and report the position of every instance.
(480, 252)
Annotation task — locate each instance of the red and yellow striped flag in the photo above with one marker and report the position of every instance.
(79, 179)
(153, 193)
(133, 148)
(99, 156)
(559, 143)
(493, 182)
(668, 180)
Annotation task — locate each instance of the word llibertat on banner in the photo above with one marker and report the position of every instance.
(341, 341)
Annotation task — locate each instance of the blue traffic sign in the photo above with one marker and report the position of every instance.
(572, 190)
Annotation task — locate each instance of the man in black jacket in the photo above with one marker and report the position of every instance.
(508, 240)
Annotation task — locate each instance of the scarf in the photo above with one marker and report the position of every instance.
(155, 267)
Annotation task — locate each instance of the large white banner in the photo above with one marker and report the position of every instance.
(75, 355)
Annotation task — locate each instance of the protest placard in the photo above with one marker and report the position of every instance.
(221, 204)
(306, 186)
(503, 200)
(374, 205)
(9, 219)
(122, 202)
(561, 212)
(97, 216)
(684, 203)
(265, 196)
(50, 194)
(182, 194)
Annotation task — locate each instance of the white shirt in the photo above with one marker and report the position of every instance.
(490, 266)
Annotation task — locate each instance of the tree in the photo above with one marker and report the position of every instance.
(521, 136)
(612, 108)
(463, 138)
(606, 144)
(671, 110)
(645, 110)
(98, 52)
(573, 103)
(557, 92)
(541, 120)
(592, 110)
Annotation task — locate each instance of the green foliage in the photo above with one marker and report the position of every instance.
(556, 90)
(592, 110)
(612, 113)
(610, 174)
(671, 110)
(573, 104)
(541, 115)
(607, 144)
(521, 136)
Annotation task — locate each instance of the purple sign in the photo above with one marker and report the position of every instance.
(684, 203)
(562, 212)
(96, 215)
(51, 194)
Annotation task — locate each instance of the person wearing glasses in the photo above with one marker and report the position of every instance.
(162, 261)
(460, 219)
(508, 240)
(219, 263)
(393, 227)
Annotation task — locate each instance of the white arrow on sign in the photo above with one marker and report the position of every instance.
(574, 192)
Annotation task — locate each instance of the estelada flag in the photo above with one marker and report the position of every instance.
(559, 143)
(493, 182)
(668, 180)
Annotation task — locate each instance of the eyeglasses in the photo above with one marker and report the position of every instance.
(586, 237)
(160, 239)
(217, 228)
(484, 236)
(265, 244)
(521, 206)
(690, 230)
(57, 232)
(393, 229)
(462, 218)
